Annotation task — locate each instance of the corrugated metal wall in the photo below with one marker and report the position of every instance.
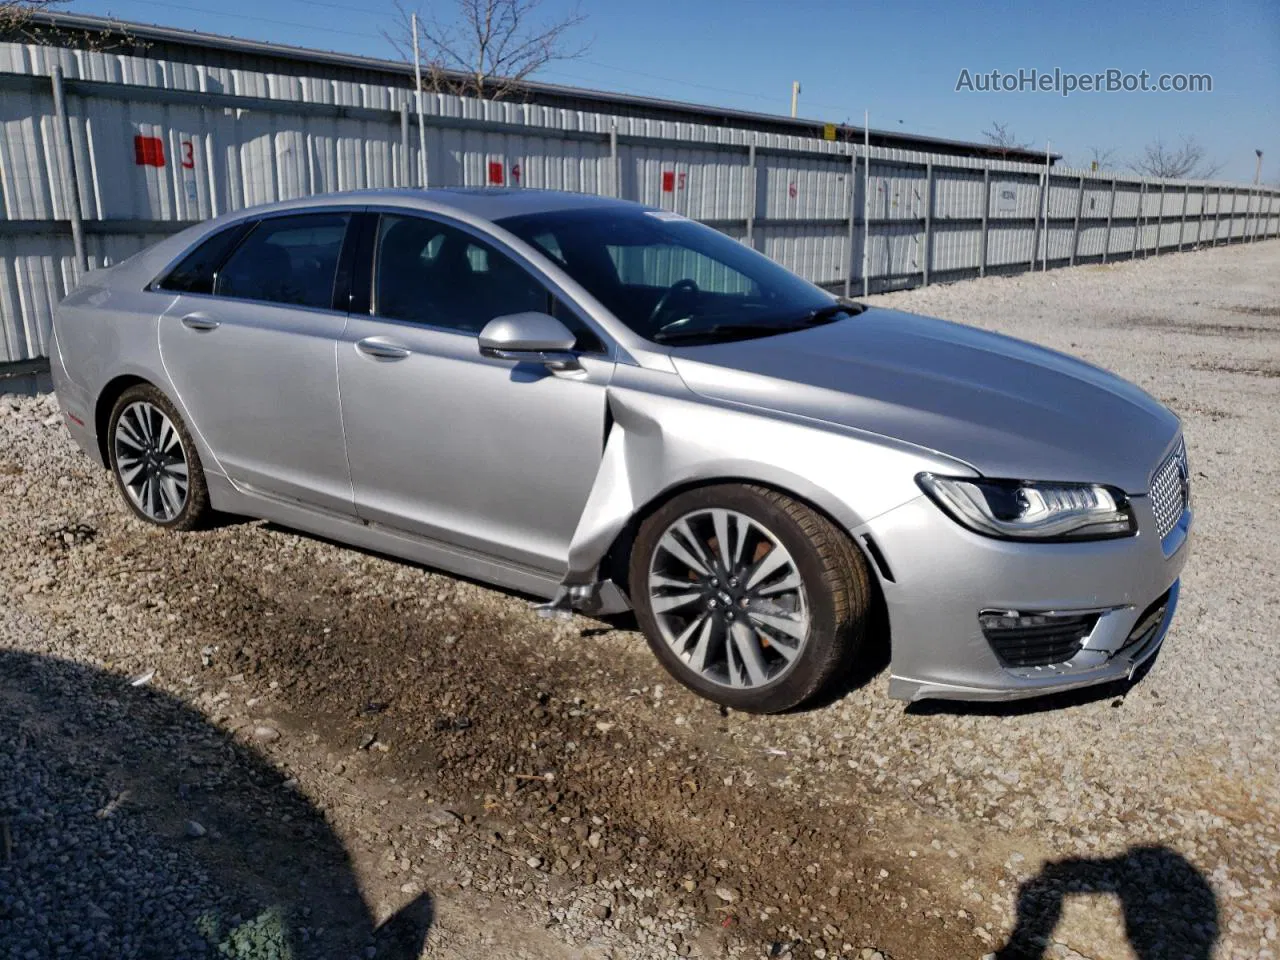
(230, 138)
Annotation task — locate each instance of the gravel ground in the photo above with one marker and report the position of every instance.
(368, 750)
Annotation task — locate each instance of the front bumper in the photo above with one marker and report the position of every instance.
(944, 575)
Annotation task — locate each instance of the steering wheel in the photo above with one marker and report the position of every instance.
(685, 287)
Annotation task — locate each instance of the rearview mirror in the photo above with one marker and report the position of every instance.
(529, 338)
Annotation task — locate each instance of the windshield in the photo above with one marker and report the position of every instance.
(673, 280)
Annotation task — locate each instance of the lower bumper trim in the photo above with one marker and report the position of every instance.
(1010, 686)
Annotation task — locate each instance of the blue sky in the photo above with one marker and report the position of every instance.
(899, 59)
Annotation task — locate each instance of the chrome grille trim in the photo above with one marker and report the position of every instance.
(1170, 489)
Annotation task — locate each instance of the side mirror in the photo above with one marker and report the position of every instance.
(529, 338)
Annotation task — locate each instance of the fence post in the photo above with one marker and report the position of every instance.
(986, 213)
(1111, 209)
(866, 215)
(615, 172)
(1041, 207)
(1160, 217)
(404, 145)
(71, 183)
(752, 195)
(1075, 230)
(1137, 220)
(928, 219)
(1182, 223)
(853, 195)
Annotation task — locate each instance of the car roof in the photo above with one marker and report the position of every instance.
(485, 203)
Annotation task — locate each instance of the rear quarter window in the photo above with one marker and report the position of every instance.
(194, 272)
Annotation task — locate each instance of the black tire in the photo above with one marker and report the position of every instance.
(836, 582)
(195, 511)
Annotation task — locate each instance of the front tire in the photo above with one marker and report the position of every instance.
(155, 461)
(748, 597)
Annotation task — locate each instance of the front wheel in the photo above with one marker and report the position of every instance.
(749, 597)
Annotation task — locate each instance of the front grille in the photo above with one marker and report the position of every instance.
(1148, 624)
(1036, 640)
(1170, 488)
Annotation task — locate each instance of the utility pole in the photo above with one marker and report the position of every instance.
(417, 90)
(1257, 171)
(795, 96)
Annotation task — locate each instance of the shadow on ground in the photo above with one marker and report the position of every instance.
(1169, 909)
(130, 826)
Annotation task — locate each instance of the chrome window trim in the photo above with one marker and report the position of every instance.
(329, 311)
(153, 286)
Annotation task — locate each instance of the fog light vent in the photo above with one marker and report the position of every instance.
(1148, 625)
(1035, 639)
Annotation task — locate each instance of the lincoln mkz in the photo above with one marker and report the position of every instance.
(612, 407)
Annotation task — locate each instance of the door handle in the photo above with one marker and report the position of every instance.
(381, 349)
(198, 321)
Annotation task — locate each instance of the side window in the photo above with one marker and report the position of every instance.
(290, 260)
(194, 273)
(428, 272)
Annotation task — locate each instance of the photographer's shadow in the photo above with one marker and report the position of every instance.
(1170, 911)
(131, 826)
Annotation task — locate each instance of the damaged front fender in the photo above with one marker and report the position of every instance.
(663, 438)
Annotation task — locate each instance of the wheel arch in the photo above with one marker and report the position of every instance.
(106, 402)
(617, 557)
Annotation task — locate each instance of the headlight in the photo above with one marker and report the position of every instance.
(1026, 510)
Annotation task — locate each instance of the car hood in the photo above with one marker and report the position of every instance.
(1006, 407)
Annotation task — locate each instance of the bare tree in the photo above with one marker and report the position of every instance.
(19, 22)
(16, 14)
(1103, 159)
(1188, 161)
(486, 47)
(1000, 136)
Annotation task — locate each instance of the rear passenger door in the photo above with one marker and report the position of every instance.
(251, 352)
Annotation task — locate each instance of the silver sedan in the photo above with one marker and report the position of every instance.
(609, 406)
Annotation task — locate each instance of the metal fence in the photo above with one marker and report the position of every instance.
(103, 154)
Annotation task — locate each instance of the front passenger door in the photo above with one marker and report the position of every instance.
(485, 454)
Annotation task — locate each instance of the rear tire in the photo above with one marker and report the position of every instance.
(155, 462)
(748, 597)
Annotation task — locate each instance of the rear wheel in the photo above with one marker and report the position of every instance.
(154, 460)
(747, 596)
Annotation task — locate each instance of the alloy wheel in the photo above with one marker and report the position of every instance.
(728, 598)
(151, 461)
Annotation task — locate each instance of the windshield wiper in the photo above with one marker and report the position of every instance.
(812, 318)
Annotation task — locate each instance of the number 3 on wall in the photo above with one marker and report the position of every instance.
(188, 155)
